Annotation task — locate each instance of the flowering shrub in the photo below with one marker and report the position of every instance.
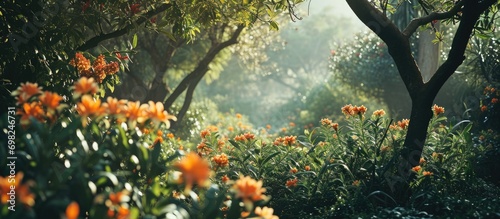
(81, 156)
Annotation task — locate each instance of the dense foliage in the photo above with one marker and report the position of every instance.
(118, 158)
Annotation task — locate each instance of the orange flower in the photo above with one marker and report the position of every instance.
(347, 110)
(307, 168)
(268, 126)
(360, 110)
(157, 113)
(72, 210)
(26, 91)
(290, 140)
(89, 106)
(21, 191)
(265, 213)
(221, 160)
(118, 198)
(249, 189)
(213, 128)
(291, 124)
(335, 126)
(121, 212)
(80, 62)
(356, 183)
(170, 135)
(422, 160)
(291, 183)
(494, 100)
(437, 110)
(326, 122)
(484, 108)
(134, 111)
(294, 170)
(230, 129)
(249, 136)
(416, 168)
(50, 100)
(194, 169)
(384, 149)
(205, 133)
(379, 113)
(85, 85)
(238, 116)
(427, 173)
(403, 124)
(114, 106)
(225, 179)
(28, 110)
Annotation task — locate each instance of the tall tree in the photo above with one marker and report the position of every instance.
(374, 15)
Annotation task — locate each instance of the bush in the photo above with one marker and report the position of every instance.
(78, 157)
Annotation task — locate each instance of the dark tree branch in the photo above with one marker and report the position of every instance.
(94, 41)
(417, 22)
(470, 15)
(397, 43)
(202, 66)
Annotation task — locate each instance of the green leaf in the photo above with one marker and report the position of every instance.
(273, 25)
(134, 41)
(270, 157)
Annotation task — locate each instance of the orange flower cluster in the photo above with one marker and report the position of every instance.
(221, 160)
(21, 191)
(350, 110)
(249, 189)
(403, 124)
(437, 110)
(135, 112)
(291, 183)
(286, 141)
(494, 100)
(245, 137)
(203, 148)
(117, 205)
(99, 69)
(38, 104)
(489, 89)
(379, 113)
(194, 171)
(328, 122)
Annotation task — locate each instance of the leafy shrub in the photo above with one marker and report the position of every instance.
(79, 157)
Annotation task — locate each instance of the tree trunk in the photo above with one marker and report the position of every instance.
(428, 53)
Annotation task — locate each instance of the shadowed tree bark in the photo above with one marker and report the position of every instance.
(422, 94)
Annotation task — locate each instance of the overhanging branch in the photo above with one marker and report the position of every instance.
(94, 41)
(417, 22)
